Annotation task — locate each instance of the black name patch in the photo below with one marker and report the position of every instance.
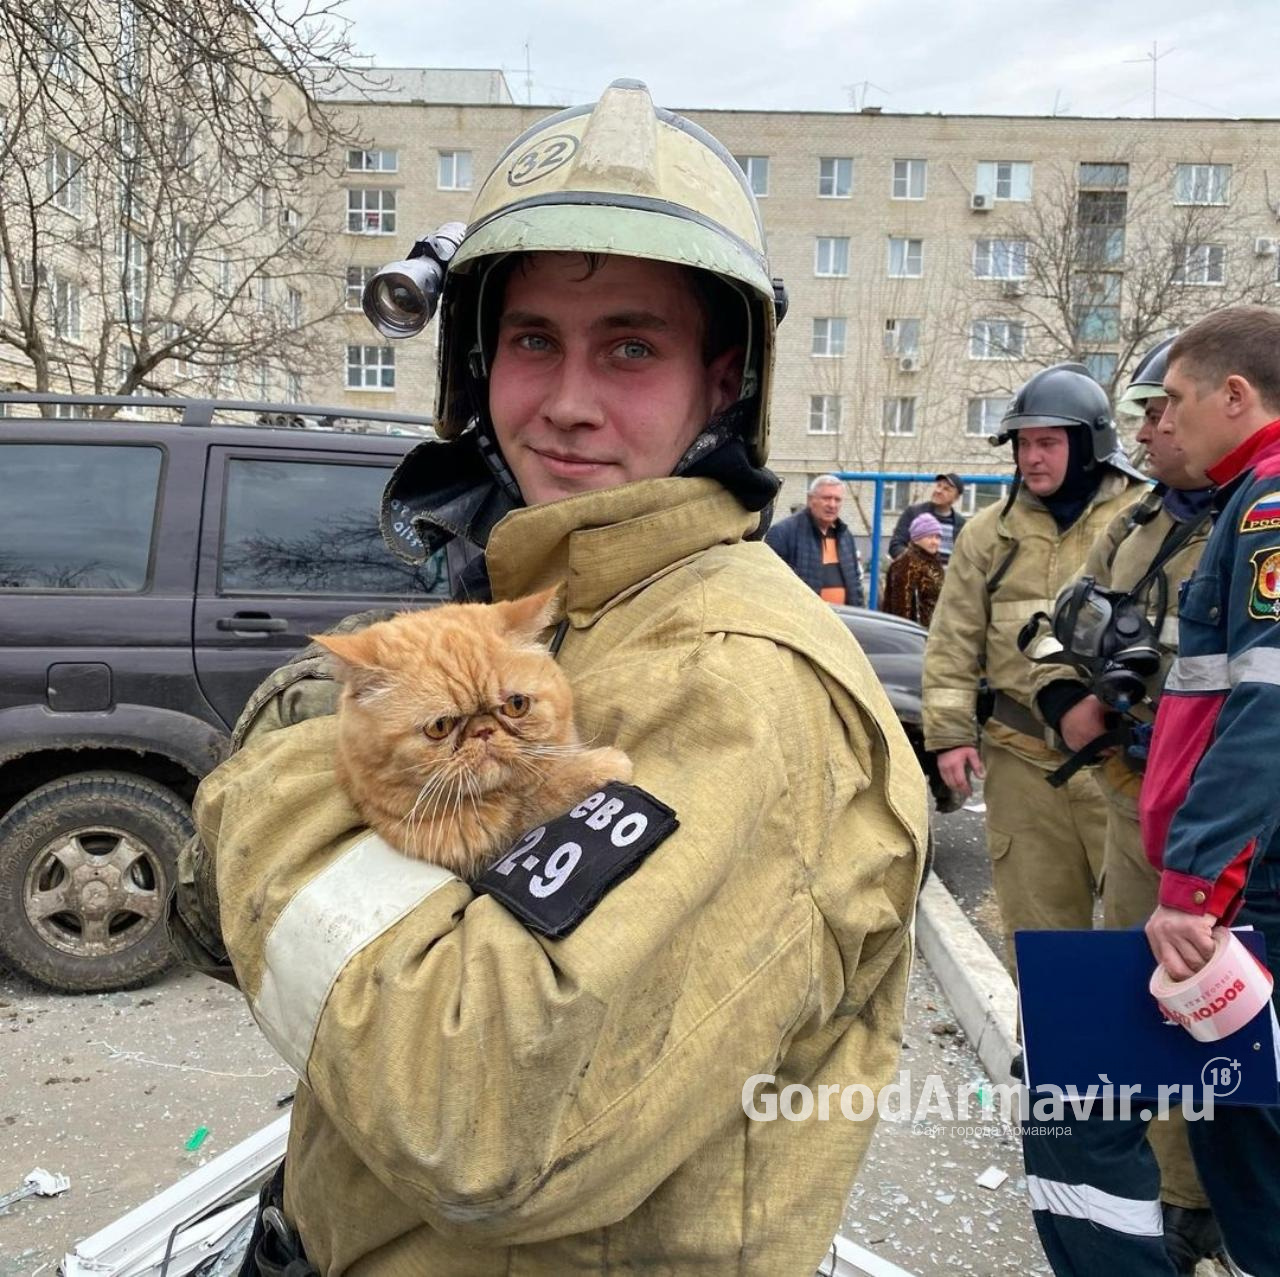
(557, 873)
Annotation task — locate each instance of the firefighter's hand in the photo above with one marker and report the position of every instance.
(1086, 720)
(1182, 942)
(954, 766)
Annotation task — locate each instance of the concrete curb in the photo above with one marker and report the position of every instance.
(975, 982)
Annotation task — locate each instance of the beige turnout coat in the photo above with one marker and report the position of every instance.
(1006, 567)
(477, 1099)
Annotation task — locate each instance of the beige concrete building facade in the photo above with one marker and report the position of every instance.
(933, 262)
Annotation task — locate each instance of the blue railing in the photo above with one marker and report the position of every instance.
(880, 478)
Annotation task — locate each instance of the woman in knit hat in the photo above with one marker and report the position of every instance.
(915, 577)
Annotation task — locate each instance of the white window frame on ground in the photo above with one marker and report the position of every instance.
(824, 414)
(453, 170)
(906, 258)
(993, 339)
(835, 177)
(910, 179)
(835, 249)
(1004, 180)
(64, 303)
(984, 415)
(1000, 258)
(66, 179)
(898, 416)
(1202, 266)
(371, 368)
(829, 333)
(902, 336)
(374, 161)
(371, 210)
(897, 496)
(357, 278)
(756, 170)
(1202, 184)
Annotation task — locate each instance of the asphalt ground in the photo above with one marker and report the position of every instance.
(110, 1090)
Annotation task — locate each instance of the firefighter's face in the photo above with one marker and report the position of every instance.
(1043, 453)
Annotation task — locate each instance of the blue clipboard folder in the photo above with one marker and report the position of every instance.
(1086, 1011)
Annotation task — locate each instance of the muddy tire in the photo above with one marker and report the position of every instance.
(86, 867)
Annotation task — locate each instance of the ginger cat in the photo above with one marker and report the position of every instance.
(456, 732)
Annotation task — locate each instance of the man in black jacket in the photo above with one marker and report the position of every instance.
(818, 546)
(946, 492)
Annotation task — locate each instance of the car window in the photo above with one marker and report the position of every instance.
(77, 516)
(311, 527)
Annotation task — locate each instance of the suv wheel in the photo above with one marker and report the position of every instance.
(86, 867)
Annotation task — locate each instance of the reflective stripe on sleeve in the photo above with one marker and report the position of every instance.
(1258, 665)
(364, 893)
(1137, 1216)
(950, 697)
(1199, 674)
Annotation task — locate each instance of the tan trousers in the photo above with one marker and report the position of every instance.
(1129, 889)
(1046, 844)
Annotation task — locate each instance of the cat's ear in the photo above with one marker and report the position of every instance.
(526, 618)
(357, 663)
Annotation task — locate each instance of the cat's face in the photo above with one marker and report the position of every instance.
(461, 694)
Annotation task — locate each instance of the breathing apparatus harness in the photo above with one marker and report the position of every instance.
(1107, 637)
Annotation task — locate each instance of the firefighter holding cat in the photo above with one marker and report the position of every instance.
(517, 1075)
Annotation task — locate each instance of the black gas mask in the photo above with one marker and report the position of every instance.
(1105, 635)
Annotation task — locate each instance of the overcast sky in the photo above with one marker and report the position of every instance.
(955, 56)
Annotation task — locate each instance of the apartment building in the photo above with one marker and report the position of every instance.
(933, 262)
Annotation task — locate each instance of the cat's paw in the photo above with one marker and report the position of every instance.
(612, 764)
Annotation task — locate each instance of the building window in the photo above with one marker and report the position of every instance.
(131, 252)
(184, 245)
(293, 143)
(62, 50)
(1101, 365)
(1201, 264)
(831, 256)
(977, 496)
(357, 278)
(1000, 259)
(373, 161)
(835, 178)
(184, 142)
(180, 349)
(985, 415)
(901, 336)
(756, 168)
(64, 298)
(127, 58)
(906, 258)
(828, 337)
(264, 206)
(1100, 218)
(1097, 308)
(293, 387)
(293, 308)
(371, 368)
(824, 414)
(66, 180)
(129, 170)
(1201, 183)
(264, 294)
(453, 172)
(997, 339)
(264, 382)
(1106, 177)
(897, 496)
(908, 179)
(899, 416)
(290, 220)
(225, 282)
(1004, 180)
(371, 211)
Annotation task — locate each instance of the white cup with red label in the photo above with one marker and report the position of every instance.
(1219, 999)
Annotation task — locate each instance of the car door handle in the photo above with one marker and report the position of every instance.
(253, 623)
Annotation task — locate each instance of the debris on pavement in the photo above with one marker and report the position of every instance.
(38, 1183)
(991, 1178)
